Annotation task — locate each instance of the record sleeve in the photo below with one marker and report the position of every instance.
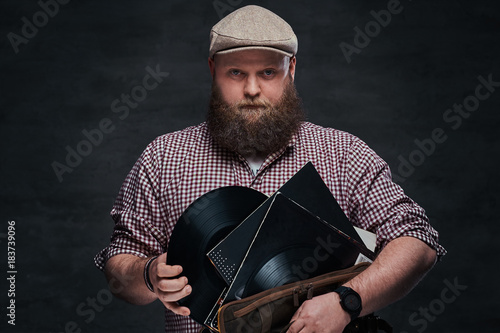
(305, 188)
(292, 244)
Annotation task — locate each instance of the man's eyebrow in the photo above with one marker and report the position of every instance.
(238, 65)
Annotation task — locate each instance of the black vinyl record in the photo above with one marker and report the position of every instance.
(292, 244)
(203, 224)
(307, 189)
(278, 269)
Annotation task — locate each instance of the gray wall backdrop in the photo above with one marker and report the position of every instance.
(399, 87)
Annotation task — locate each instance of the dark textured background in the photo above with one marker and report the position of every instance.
(395, 91)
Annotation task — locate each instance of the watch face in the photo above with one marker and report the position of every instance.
(352, 302)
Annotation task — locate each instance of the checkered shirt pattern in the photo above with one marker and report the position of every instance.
(177, 168)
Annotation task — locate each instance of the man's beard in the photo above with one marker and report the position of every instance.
(255, 131)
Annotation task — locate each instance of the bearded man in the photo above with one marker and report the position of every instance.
(256, 136)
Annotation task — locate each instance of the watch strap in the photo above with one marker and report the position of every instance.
(343, 294)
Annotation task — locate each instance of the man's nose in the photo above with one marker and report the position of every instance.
(252, 87)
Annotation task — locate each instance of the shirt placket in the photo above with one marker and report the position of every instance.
(242, 171)
(264, 167)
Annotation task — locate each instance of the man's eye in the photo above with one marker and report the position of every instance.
(235, 72)
(268, 72)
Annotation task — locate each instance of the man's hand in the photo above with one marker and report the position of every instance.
(125, 273)
(395, 271)
(321, 314)
(167, 286)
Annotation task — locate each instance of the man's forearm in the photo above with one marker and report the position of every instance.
(394, 273)
(125, 274)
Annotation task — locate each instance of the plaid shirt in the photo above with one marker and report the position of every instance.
(177, 168)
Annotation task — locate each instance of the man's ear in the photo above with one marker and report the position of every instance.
(211, 65)
(291, 67)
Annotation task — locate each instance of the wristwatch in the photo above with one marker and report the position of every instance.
(350, 301)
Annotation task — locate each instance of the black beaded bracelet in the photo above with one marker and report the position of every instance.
(146, 273)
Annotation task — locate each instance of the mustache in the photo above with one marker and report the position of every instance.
(253, 103)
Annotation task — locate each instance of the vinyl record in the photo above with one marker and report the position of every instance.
(292, 244)
(202, 225)
(277, 270)
(308, 190)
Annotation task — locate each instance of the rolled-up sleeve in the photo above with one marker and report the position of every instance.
(380, 205)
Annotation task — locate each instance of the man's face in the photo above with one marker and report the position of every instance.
(252, 74)
(254, 109)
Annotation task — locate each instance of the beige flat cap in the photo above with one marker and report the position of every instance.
(252, 27)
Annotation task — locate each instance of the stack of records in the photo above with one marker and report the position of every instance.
(234, 242)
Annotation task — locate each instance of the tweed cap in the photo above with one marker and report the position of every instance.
(252, 27)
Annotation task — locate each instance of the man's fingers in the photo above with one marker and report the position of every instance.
(160, 267)
(174, 296)
(295, 315)
(296, 324)
(295, 327)
(171, 285)
(168, 271)
(176, 308)
(164, 270)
